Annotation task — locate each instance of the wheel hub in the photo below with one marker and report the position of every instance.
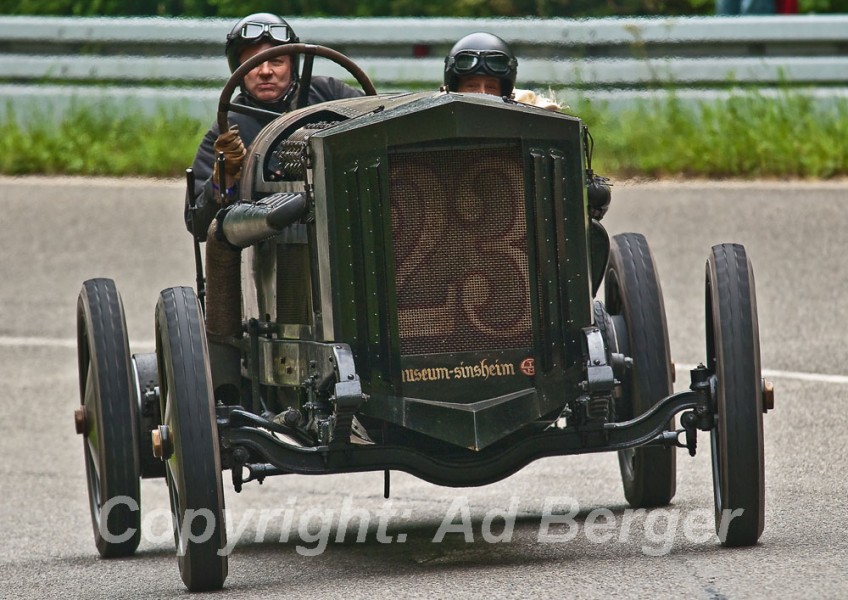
(80, 421)
(163, 446)
(768, 395)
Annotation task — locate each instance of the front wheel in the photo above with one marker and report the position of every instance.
(634, 300)
(193, 461)
(733, 354)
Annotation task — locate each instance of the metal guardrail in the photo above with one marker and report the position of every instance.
(48, 63)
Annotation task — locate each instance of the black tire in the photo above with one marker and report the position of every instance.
(193, 469)
(110, 439)
(633, 298)
(733, 354)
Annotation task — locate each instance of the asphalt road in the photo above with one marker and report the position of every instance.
(57, 234)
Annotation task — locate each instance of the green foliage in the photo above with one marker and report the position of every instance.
(822, 6)
(100, 142)
(376, 8)
(748, 135)
(116, 8)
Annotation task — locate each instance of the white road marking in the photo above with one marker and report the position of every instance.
(23, 342)
(45, 342)
(797, 375)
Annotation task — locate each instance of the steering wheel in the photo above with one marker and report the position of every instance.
(310, 51)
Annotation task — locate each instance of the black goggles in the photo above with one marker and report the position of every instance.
(277, 31)
(493, 61)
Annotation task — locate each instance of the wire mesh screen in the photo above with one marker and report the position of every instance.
(459, 233)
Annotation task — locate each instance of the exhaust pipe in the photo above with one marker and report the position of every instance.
(245, 224)
(235, 227)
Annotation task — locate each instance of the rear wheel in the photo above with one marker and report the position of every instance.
(733, 354)
(108, 419)
(193, 462)
(634, 301)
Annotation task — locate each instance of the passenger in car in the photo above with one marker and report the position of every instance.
(271, 86)
(483, 63)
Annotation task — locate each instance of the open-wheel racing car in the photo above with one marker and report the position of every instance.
(408, 282)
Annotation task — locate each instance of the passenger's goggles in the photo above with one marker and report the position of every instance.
(493, 61)
(277, 31)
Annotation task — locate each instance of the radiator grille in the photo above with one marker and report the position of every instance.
(459, 234)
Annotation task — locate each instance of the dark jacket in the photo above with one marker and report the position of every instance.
(321, 90)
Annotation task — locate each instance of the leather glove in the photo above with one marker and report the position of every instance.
(231, 145)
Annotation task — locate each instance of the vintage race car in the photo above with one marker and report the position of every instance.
(408, 282)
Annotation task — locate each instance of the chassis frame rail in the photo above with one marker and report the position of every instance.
(464, 468)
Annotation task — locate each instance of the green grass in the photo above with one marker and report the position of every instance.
(101, 142)
(747, 136)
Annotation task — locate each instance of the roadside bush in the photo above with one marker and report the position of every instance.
(747, 135)
(381, 8)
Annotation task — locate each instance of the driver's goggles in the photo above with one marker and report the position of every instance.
(493, 61)
(277, 31)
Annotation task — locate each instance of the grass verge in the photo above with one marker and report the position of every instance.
(101, 142)
(747, 135)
